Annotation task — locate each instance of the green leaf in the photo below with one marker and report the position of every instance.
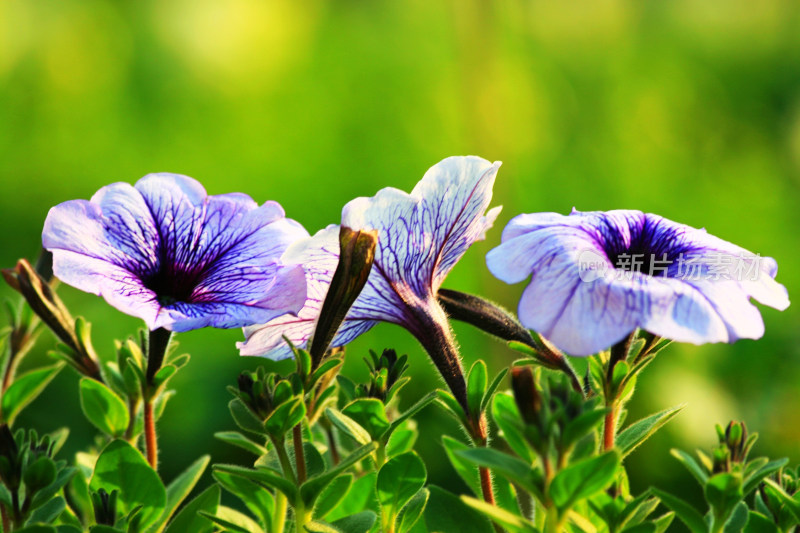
(476, 386)
(122, 467)
(370, 414)
(245, 418)
(401, 441)
(235, 438)
(314, 485)
(413, 410)
(639, 431)
(232, 520)
(104, 409)
(512, 468)
(348, 426)
(263, 476)
(506, 416)
(581, 426)
(752, 481)
(358, 523)
(25, 389)
(723, 492)
(258, 499)
(584, 478)
(286, 416)
(691, 465)
(465, 469)
(758, 523)
(360, 497)
(399, 480)
(181, 486)
(792, 504)
(737, 520)
(48, 512)
(510, 522)
(446, 512)
(334, 493)
(685, 512)
(490, 390)
(413, 510)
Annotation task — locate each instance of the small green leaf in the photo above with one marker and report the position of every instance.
(245, 418)
(466, 470)
(263, 476)
(413, 510)
(691, 465)
(752, 481)
(738, 519)
(358, 523)
(104, 409)
(314, 485)
(446, 512)
(758, 523)
(398, 480)
(122, 467)
(510, 522)
(360, 497)
(490, 390)
(348, 426)
(232, 520)
(476, 386)
(584, 478)
(635, 434)
(286, 416)
(507, 417)
(48, 512)
(413, 410)
(791, 503)
(512, 468)
(181, 486)
(25, 389)
(235, 438)
(401, 441)
(685, 512)
(370, 414)
(334, 493)
(257, 498)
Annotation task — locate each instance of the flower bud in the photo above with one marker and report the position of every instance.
(105, 507)
(529, 402)
(356, 255)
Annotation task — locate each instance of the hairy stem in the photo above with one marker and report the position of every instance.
(299, 453)
(157, 344)
(279, 513)
(150, 437)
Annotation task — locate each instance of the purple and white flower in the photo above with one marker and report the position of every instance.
(166, 252)
(597, 276)
(421, 236)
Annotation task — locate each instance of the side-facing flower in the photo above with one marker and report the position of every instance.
(597, 276)
(421, 236)
(166, 252)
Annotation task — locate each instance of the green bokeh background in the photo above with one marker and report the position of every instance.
(687, 109)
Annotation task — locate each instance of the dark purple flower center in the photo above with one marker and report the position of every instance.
(172, 285)
(652, 249)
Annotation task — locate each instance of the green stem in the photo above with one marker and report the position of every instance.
(279, 513)
(301, 518)
(283, 458)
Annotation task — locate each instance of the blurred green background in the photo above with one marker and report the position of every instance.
(687, 109)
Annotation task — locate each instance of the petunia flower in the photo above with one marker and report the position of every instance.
(597, 276)
(166, 252)
(421, 236)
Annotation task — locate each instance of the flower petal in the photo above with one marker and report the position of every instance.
(583, 304)
(423, 234)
